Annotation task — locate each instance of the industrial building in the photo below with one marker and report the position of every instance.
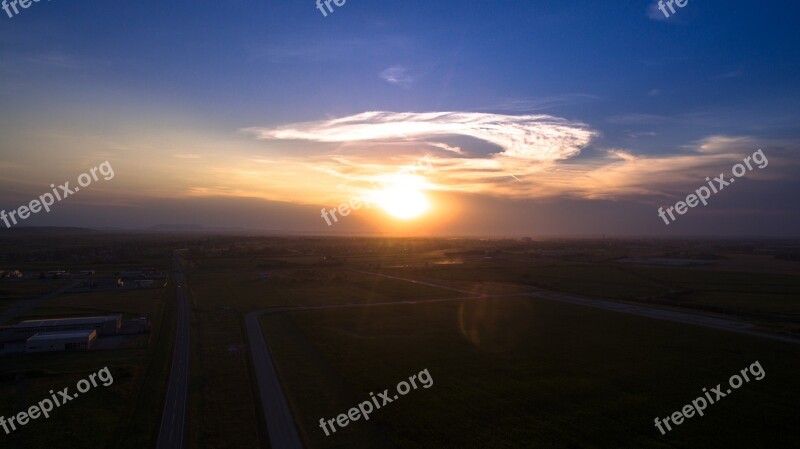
(104, 325)
(81, 340)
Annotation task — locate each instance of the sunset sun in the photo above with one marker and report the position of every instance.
(403, 197)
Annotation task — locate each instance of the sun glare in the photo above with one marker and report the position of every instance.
(403, 197)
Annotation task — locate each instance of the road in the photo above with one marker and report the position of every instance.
(740, 327)
(695, 319)
(173, 421)
(278, 417)
(414, 281)
(280, 422)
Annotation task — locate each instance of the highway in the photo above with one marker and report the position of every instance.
(173, 420)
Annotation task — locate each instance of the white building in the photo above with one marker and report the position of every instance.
(61, 341)
(105, 325)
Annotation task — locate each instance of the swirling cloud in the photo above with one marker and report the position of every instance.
(529, 137)
(533, 156)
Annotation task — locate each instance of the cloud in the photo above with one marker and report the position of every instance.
(722, 144)
(397, 75)
(446, 147)
(534, 156)
(376, 144)
(636, 134)
(530, 137)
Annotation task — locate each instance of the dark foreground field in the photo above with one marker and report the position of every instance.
(509, 370)
(519, 372)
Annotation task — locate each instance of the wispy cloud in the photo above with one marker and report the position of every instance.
(446, 147)
(397, 75)
(539, 150)
(532, 137)
(524, 144)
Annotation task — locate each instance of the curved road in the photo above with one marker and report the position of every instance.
(280, 422)
(173, 420)
(278, 417)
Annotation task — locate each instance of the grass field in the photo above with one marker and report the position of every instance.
(28, 288)
(128, 302)
(316, 357)
(529, 373)
(223, 291)
(510, 372)
(91, 420)
(742, 293)
(222, 403)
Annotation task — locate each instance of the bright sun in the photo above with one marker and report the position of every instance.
(403, 198)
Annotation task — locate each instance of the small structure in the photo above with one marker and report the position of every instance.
(61, 341)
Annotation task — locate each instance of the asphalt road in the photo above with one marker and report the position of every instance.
(741, 327)
(173, 420)
(277, 415)
(280, 422)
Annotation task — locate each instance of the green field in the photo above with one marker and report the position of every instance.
(91, 420)
(529, 373)
(222, 291)
(27, 289)
(772, 299)
(330, 360)
(508, 372)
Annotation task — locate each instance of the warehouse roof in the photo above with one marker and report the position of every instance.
(62, 335)
(68, 321)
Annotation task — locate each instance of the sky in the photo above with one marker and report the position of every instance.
(503, 118)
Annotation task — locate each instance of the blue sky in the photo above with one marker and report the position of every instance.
(152, 85)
